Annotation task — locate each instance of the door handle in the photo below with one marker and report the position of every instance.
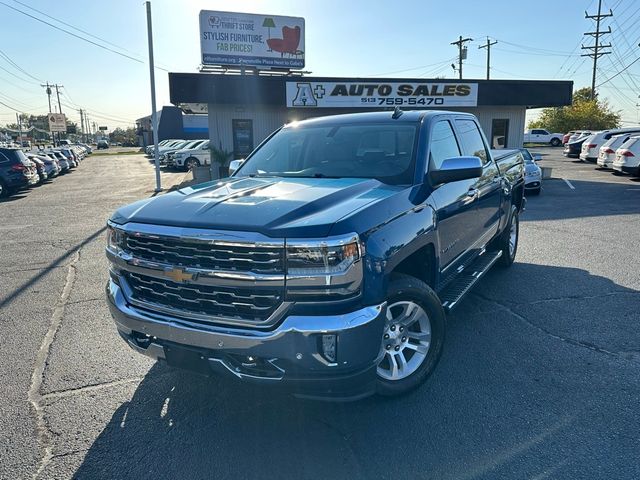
(472, 192)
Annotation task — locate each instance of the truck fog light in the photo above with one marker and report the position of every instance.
(329, 347)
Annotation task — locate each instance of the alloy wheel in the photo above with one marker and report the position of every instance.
(406, 340)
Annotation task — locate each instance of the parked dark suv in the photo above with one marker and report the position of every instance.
(16, 171)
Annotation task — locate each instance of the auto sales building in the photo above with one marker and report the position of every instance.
(242, 110)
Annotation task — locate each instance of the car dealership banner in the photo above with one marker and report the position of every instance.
(381, 94)
(266, 41)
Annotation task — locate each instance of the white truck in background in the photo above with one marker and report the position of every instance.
(540, 135)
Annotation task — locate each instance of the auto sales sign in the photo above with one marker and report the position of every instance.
(301, 94)
(263, 41)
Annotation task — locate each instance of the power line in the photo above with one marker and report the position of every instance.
(76, 28)
(73, 34)
(620, 72)
(18, 66)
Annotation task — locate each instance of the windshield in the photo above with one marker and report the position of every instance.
(527, 156)
(381, 151)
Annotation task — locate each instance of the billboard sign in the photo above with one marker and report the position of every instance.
(262, 41)
(301, 94)
(57, 122)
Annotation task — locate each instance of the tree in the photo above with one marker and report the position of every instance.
(128, 137)
(582, 114)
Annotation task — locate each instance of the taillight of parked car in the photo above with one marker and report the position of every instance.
(18, 167)
(592, 145)
(608, 150)
(627, 153)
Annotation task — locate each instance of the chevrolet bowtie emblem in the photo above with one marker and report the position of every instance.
(178, 275)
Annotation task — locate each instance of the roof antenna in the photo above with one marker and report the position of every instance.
(397, 113)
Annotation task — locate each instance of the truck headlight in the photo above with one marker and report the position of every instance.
(115, 239)
(324, 267)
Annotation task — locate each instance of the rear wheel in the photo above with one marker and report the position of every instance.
(535, 191)
(508, 242)
(413, 336)
(555, 142)
(4, 191)
(191, 163)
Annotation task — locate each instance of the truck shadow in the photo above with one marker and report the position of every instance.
(491, 404)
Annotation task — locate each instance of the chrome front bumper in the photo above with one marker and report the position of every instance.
(290, 354)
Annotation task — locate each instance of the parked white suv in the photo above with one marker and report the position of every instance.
(591, 146)
(539, 135)
(608, 151)
(188, 159)
(628, 157)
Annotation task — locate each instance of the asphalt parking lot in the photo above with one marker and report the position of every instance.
(540, 377)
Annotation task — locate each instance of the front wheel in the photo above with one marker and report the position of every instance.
(413, 336)
(191, 163)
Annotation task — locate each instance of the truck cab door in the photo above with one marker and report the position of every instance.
(454, 202)
(487, 188)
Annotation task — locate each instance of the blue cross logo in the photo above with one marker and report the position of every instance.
(319, 91)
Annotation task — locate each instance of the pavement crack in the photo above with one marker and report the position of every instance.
(37, 376)
(59, 394)
(572, 341)
(576, 297)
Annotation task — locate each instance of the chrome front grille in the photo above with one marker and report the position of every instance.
(207, 255)
(208, 276)
(248, 305)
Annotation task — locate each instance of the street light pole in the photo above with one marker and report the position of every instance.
(154, 115)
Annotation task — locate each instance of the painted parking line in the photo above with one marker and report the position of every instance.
(569, 184)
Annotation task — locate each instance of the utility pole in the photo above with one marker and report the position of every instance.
(48, 90)
(462, 52)
(488, 47)
(82, 124)
(19, 127)
(58, 95)
(154, 114)
(596, 48)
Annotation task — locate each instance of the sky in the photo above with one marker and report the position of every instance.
(404, 39)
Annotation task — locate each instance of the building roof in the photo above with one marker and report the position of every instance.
(188, 89)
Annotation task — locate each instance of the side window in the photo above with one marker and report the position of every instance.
(471, 139)
(443, 143)
(3, 158)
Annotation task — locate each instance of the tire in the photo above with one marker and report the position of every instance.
(535, 191)
(190, 163)
(413, 302)
(4, 191)
(509, 251)
(555, 142)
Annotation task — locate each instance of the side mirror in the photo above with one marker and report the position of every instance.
(537, 157)
(235, 165)
(455, 169)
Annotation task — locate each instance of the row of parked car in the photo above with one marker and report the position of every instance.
(616, 149)
(20, 169)
(182, 154)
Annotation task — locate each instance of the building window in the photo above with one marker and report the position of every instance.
(499, 132)
(242, 138)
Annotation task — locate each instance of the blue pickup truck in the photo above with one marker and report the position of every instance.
(327, 262)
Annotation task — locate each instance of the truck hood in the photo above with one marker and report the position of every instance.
(274, 206)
